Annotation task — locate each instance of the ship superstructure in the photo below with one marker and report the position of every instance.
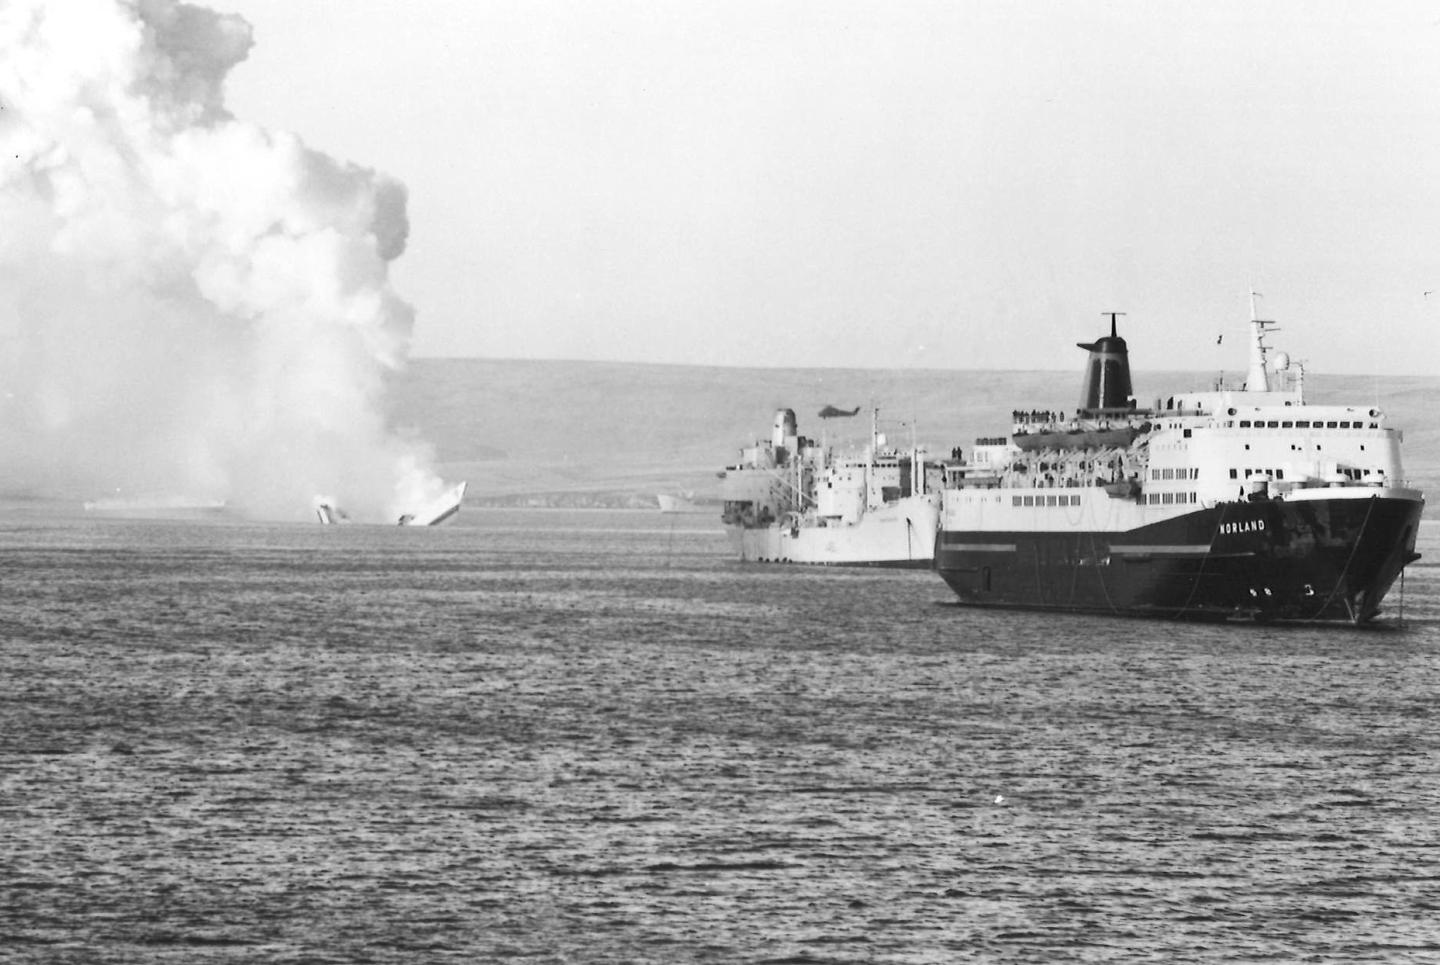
(792, 500)
(1235, 502)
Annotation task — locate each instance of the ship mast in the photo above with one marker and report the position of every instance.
(1258, 378)
(917, 463)
(870, 462)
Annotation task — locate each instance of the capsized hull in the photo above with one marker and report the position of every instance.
(1311, 560)
(898, 534)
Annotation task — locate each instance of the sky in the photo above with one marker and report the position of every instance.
(957, 184)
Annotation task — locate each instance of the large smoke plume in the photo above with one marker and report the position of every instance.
(189, 305)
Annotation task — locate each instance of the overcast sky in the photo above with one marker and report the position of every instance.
(949, 185)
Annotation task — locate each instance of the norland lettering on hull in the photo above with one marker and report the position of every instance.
(1237, 503)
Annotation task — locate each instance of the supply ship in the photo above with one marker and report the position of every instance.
(791, 500)
(1234, 503)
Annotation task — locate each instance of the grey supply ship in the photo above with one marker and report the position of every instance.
(1235, 503)
(793, 501)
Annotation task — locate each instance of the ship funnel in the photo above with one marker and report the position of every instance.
(784, 435)
(1107, 373)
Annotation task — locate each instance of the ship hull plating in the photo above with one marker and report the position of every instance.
(1312, 560)
(898, 535)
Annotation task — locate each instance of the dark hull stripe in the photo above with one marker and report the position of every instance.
(1310, 561)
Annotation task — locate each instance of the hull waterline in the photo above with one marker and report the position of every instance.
(1310, 561)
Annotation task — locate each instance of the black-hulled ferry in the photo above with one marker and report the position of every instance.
(1234, 503)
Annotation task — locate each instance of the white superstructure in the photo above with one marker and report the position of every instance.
(1192, 449)
(790, 500)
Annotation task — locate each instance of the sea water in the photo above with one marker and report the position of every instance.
(595, 737)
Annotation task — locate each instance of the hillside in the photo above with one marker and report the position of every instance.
(617, 433)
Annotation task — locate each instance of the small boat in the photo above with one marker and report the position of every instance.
(686, 502)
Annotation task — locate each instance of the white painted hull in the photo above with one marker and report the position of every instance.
(901, 533)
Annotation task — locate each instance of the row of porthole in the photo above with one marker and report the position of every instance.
(1374, 413)
(1305, 424)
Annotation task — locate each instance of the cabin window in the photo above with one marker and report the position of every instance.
(1244, 423)
(1187, 433)
(1234, 474)
(1287, 424)
(1029, 500)
(1272, 424)
(1014, 500)
(1279, 474)
(1051, 501)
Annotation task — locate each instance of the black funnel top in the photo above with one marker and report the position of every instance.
(1107, 374)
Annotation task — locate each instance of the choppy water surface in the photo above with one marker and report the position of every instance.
(591, 737)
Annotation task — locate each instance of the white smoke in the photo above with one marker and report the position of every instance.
(189, 304)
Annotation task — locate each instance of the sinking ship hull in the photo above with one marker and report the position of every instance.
(898, 534)
(1313, 560)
